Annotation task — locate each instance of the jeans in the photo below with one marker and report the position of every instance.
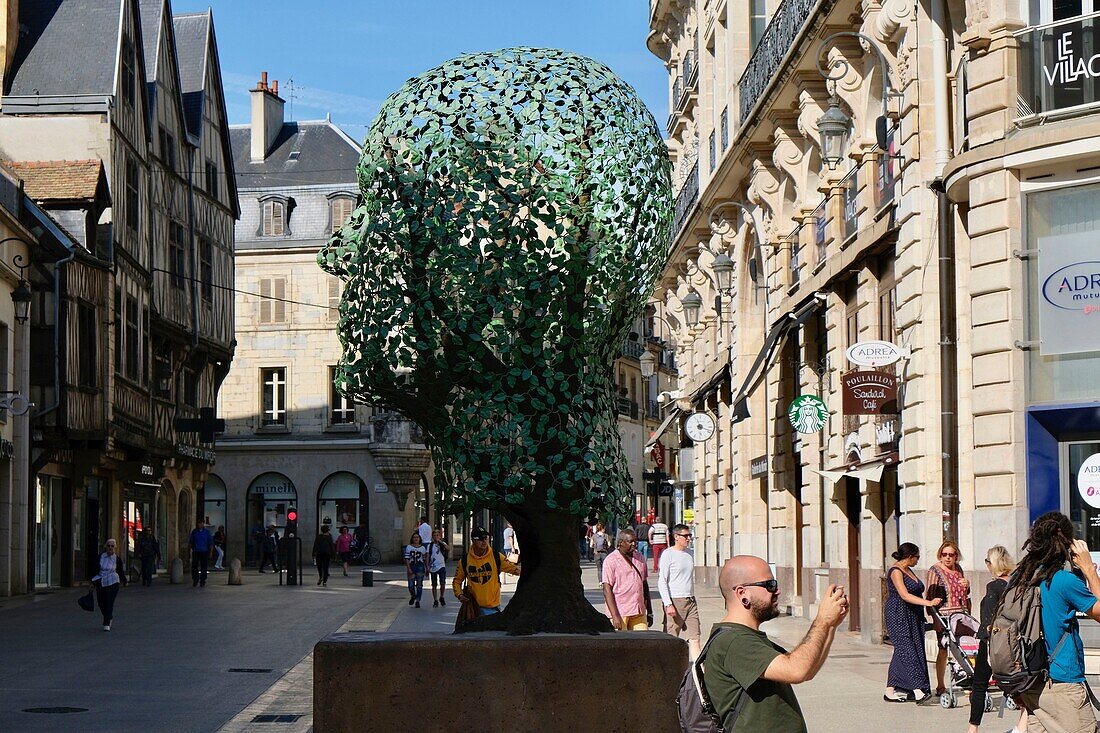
(220, 557)
(490, 611)
(200, 562)
(643, 547)
(583, 548)
(600, 557)
(148, 564)
(269, 557)
(105, 597)
(323, 562)
(416, 582)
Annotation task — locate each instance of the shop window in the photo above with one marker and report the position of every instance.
(339, 502)
(270, 495)
(273, 399)
(214, 500)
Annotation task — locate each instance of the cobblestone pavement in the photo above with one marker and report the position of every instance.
(165, 666)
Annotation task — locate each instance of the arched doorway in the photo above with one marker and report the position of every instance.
(269, 497)
(342, 500)
(214, 502)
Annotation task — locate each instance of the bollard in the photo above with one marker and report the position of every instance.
(177, 571)
(368, 578)
(235, 576)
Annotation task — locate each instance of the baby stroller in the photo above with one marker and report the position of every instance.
(961, 642)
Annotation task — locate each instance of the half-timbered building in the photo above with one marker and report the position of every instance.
(142, 98)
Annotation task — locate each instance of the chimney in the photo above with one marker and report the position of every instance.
(9, 38)
(267, 116)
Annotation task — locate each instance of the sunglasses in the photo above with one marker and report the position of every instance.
(948, 554)
(772, 586)
(688, 535)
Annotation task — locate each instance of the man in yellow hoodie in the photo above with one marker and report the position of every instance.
(480, 568)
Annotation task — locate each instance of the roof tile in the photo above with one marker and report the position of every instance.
(58, 180)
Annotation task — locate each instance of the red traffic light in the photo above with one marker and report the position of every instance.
(292, 516)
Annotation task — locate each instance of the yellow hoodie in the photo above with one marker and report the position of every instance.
(484, 581)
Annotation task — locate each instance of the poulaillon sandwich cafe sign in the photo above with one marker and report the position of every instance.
(869, 393)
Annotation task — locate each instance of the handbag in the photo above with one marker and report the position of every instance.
(87, 601)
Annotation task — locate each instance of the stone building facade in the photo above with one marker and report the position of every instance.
(291, 440)
(932, 201)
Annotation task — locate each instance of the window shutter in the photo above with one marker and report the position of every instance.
(265, 300)
(333, 298)
(267, 223)
(278, 306)
(277, 218)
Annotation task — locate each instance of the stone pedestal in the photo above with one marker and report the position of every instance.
(176, 571)
(366, 682)
(235, 577)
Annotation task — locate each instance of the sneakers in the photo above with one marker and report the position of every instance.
(107, 627)
(443, 601)
(435, 604)
(412, 601)
(418, 604)
(318, 582)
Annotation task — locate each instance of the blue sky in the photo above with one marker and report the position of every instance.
(345, 57)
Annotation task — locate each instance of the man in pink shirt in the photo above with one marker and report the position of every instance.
(625, 589)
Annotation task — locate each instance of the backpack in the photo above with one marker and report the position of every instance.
(697, 713)
(1017, 646)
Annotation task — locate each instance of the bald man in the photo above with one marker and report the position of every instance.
(750, 678)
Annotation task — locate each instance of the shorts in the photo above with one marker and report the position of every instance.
(1063, 706)
(635, 623)
(440, 576)
(686, 624)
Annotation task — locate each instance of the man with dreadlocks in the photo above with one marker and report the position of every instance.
(1063, 703)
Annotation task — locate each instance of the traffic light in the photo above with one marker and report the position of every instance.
(292, 522)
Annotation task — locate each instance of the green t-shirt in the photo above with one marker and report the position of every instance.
(735, 664)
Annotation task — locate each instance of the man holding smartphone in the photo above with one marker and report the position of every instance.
(749, 678)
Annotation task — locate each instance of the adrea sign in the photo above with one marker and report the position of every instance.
(1088, 480)
(873, 353)
(1069, 302)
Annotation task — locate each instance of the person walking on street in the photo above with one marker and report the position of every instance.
(438, 552)
(219, 547)
(641, 531)
(424, 530)
(270, 550)
(323, 550)
(480, 569)
(583, 544)
(1062, 704)
(601, 546)
(946, 580)
(658, 539)
(416, 567)
(343, 548)
(907, 678)
(201, 543)
(999, 563)
(112, 572)
(148, 551)
(625, 587)
(748, 676)
(676, 584)
(511, 546)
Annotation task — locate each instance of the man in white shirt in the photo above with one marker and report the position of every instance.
(676, 583)
(425, 531)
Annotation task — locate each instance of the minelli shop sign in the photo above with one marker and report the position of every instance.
(869, 393)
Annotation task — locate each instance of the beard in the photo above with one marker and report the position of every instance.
(764, 610)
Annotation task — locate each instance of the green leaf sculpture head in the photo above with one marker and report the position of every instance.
(516, 212)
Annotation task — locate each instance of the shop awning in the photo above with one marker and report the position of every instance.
(867, 471)
(673, 413)
(767, 353)
(712, 380)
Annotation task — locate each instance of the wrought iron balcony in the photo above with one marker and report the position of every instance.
(628, 408)
(632, 349)
(686, 199)
(777, 42)
(725, 128)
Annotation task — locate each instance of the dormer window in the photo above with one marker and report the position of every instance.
(340, 206)
(273, 216)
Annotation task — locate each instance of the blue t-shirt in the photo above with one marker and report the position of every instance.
(201, 539)
(1066, 594)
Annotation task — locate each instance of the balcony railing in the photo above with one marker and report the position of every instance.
(686, 199)
(632, 349)
(628, 408)
(652, 409)
(1058, 68)
(777, 42)
(725, 129)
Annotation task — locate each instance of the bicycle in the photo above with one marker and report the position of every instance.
(368, 554)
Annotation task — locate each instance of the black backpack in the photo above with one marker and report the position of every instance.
(697, 713)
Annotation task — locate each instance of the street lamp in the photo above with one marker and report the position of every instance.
(723, 271)
(21, 297)
(835, 126)
(692, 304)
(647, 363)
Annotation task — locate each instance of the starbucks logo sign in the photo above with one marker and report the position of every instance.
(808, 413)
